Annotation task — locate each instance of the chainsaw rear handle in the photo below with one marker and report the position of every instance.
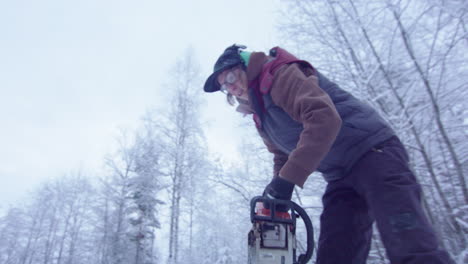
(295, 208)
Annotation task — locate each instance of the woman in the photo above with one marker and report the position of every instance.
(309, 123)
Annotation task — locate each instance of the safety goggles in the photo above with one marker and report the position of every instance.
(230, 79)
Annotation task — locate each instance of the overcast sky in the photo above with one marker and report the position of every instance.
(72, 73)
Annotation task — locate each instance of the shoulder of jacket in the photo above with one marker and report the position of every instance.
(292, 70)
(289, 78)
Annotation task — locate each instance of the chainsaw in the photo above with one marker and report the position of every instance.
(272, 239)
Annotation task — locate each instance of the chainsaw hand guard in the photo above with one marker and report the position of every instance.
(273, 234)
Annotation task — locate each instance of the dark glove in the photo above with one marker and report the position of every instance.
(279, 188)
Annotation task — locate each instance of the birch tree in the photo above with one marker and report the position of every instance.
(177, 125)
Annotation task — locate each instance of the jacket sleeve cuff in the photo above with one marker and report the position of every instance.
(294, 173)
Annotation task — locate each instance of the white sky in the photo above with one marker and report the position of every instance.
(73, 72)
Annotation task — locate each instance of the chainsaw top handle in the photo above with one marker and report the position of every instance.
(277, 216)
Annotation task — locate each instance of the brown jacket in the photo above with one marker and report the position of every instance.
(295, 89)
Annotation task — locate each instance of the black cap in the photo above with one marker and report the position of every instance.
(229, 59)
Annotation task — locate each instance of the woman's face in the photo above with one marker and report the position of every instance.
(234, 81)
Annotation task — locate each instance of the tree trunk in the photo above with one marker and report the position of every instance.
(50, 235)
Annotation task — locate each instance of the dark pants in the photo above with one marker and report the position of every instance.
(380, 187)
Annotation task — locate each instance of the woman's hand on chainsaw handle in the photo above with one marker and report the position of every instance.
(279, 188)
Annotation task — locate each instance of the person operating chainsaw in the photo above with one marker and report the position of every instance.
(310, 124)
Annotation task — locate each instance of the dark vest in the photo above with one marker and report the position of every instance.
(362, 127)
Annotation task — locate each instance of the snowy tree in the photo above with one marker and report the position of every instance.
(120, 167)
(130, 201)
(12, 232)
(52, 226)
(177, 126)
(144, 187)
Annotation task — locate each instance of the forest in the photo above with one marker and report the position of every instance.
(166, 199)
